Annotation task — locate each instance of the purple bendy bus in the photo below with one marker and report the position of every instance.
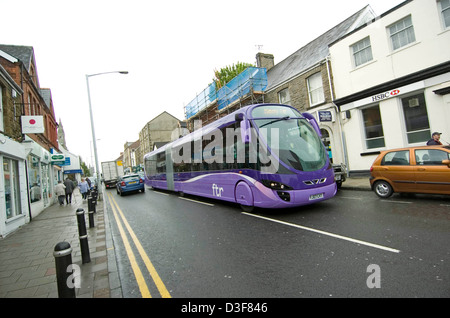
(264, 155)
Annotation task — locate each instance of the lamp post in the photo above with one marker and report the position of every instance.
(94, 140)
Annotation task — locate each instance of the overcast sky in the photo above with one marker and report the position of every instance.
(169, 48)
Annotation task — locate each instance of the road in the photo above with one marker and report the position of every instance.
(354, 245)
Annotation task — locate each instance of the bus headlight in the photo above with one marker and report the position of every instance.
(275, 185)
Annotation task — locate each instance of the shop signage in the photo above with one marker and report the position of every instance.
(385, 95)
(380, 97)
(73, 171)
(32, 124)
(58, 159)
(325, 116)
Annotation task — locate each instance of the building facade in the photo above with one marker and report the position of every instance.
(29, 127)
(304, 80)
(392, 80)
(159, 129)
(13, 178)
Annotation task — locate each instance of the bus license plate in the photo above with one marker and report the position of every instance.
(315, 196)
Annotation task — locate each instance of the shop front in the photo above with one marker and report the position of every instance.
(13, 186)
(401, 116)
(40, 177)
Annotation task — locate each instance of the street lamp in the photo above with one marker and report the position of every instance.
(94, 140)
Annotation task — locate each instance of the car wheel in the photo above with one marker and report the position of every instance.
(383, 189)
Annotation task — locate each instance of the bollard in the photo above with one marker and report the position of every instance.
(63, 259)
(91, 219)
(84, 245)
(92, 202)
(94, 194)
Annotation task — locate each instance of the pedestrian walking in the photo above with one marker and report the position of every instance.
(69, 190)
(60, 192)
(84, 187)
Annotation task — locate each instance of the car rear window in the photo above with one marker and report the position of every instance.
(130, 178)
(396, 158)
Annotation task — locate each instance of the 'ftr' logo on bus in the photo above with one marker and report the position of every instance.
(217, 191)
(385, 95)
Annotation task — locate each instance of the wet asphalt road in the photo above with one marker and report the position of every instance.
(354, 245)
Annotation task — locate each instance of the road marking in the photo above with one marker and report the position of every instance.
(136, 270)
(166, 194)
(151, 269)
(210, 204)
(326, 233)
(351, 198)
(392, 201)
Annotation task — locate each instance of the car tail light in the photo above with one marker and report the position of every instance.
(122, 183)
(141, 181)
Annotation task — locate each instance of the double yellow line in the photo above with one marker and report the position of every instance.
(136, 269)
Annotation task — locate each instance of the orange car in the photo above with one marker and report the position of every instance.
(424, 169)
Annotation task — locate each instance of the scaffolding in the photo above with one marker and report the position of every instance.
(247, 85)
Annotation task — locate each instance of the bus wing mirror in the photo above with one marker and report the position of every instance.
(313, 122)
(245, 131)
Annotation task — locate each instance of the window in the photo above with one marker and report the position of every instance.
(416, 118)
(315, 89)
(362, 52)
(402, 33)
(1, 109)
(444, 7)
(431, 156)
(34, 178)
(373, 127)
(396, 158)
(12, 187)
(284, 97)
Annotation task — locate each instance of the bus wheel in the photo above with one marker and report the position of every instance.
(244, 196)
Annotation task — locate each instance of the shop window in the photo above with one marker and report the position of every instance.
(34, 178)
(416, 118)
(12, 187)
(373, 127)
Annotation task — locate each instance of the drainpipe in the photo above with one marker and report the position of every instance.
(338, 115)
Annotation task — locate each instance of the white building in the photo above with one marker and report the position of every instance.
(392, 80)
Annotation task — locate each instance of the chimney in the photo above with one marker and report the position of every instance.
(264, 60)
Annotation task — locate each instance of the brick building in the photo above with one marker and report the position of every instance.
(38, 145)
(13, 182)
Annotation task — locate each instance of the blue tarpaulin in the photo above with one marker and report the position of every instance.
(250, 80)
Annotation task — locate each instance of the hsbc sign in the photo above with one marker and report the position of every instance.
(385, 95)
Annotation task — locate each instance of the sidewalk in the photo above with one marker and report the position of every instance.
(27, 264)
(359, 183)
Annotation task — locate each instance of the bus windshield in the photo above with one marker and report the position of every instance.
(295, 142)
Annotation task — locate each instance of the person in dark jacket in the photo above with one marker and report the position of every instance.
(69, 189)
(435, 139)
